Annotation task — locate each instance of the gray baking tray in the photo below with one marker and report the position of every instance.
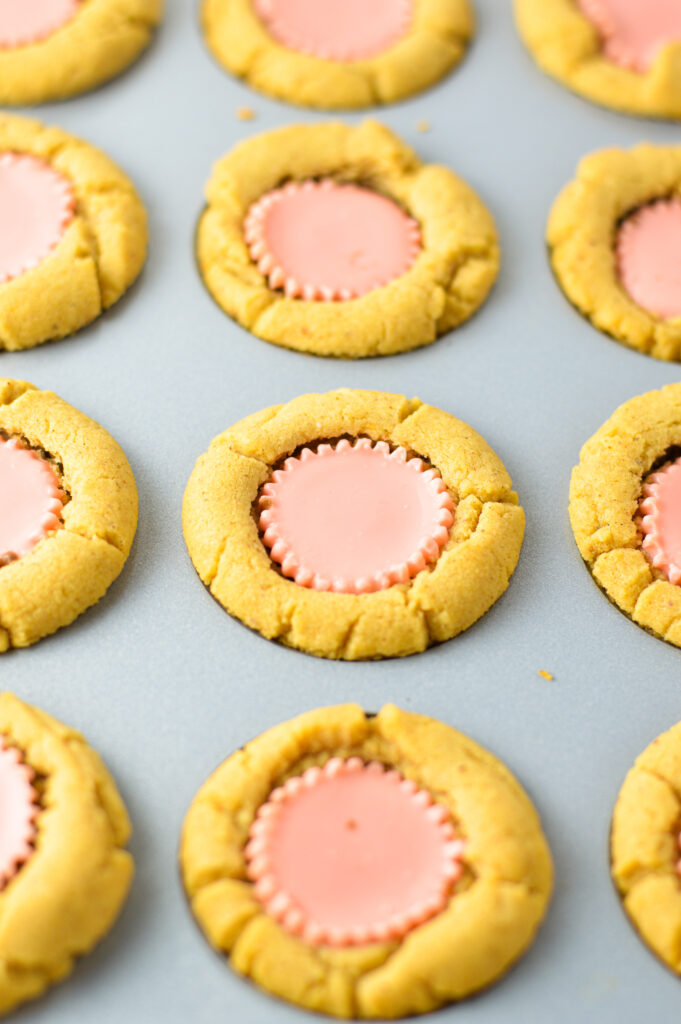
(165, 684)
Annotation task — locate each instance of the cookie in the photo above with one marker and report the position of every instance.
(342, 55)
(68, 513)
(625, 510)
(74, 233)
(614, 236)
(52, 49)
(338, 241)
(645, 849)
(620, 53)
(353, 524)
(366, 866)
(64, 874)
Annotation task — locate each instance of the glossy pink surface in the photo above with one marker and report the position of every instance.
(36, 207)
(28, 21)
(343, 30)
(649, 257)
(634, 31)
(354, 518)
(661, 522)
(321, 240)
(30, 499)
(351, 854)
(18, 809)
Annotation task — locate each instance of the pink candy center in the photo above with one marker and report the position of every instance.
(649, 257)
(355, 518)
(634, 31)
(30, 499)
(350, 853)
(36, 207)
(661, 522)
(29, 21)
(342, 30)
(321, 240)
(18, 810)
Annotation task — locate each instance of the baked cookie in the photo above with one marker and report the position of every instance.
(366, 865)
(625, 510)
(353, 524)
(51, 49)
(340, 54)
(64, 874)
(645, 849)
(623, 54)
(615, 240)
(68, 513)
(339, 241)
(74, 233)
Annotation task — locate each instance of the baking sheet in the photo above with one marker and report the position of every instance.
(165, 684)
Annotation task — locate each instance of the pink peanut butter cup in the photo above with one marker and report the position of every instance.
(29, 21)
(634, 31)
(649, 257)
(661, 520)
(31, 501)
(320, 240)
(341, 30)
(354, 518)
(18, 811)
(36, 206)
(352, 853)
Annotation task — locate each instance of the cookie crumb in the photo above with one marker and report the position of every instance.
(423, 126)
(544, 674)
(245, 114)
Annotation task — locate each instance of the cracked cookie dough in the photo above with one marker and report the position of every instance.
(56, 50)
(610, 506)
(622, 54)
(370, 611)
(68, 513)
(614, 248)
(645, 846)
(254, 818)
(68, 874)
(61, 269)
(440, 285)
(345, 54)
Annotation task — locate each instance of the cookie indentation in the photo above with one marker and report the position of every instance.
(350, 854)
(31, 500)
(633, 32)
(321, 240)
(661, 520)
(29, 21)
(341, 30)
(355, 518)
(36, 206)
(18, 811)
(649, 257)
